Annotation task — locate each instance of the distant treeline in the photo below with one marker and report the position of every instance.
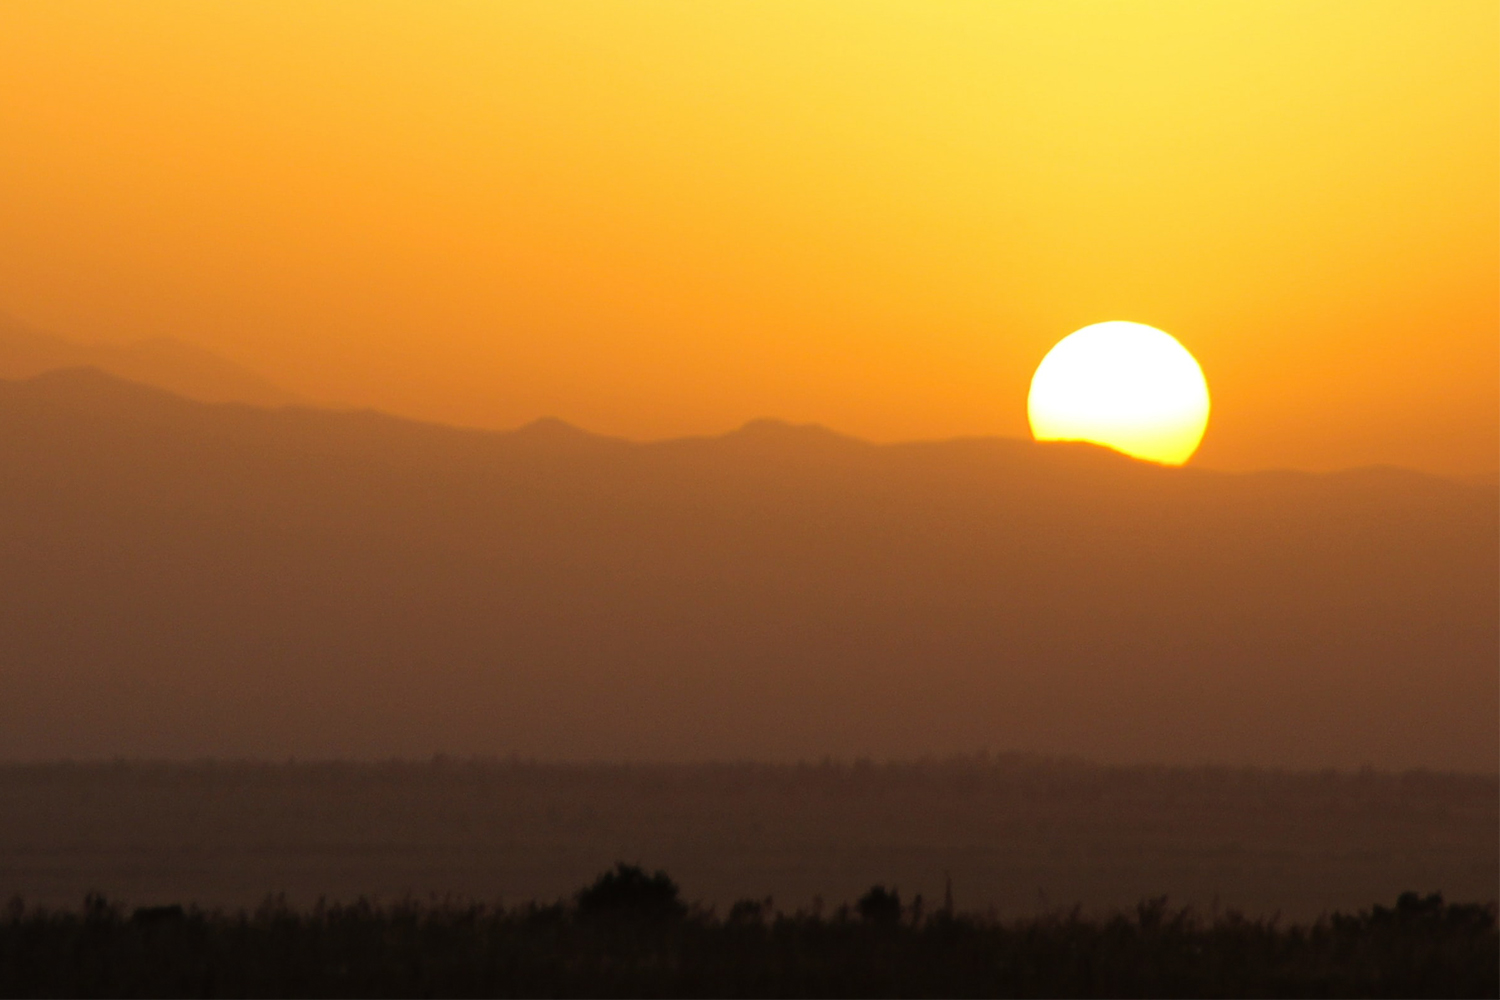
(629, 934)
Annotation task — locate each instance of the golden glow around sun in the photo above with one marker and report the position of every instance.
(1127, 386)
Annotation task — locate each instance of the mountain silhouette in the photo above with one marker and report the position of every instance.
(182, 579)
(161, 361)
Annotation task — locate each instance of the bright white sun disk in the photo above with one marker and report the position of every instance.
(1127, 386)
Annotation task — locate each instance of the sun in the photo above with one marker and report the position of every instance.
(1127, 386)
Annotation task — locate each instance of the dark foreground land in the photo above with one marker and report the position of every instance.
(375, 872)
(642, 942)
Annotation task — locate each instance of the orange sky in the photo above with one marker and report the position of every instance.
(658, 219)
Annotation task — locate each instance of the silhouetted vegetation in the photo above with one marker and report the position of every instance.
(629, 935)
(880, 906)
(628, 893)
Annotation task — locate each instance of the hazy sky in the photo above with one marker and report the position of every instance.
(659, 219)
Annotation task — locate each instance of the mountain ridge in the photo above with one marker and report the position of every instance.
(181, 579)
(92, 378)
(163, 362)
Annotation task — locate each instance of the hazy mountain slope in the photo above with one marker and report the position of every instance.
(184, 579)
(168, 364)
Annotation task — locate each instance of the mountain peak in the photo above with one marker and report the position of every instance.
(553, 431)
(772, 429)
(163, 362)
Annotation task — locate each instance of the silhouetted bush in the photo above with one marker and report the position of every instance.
(880, 906)
(158, 914)
(1414, 909)
(749, 911)
(1421, 947)
(627, 891)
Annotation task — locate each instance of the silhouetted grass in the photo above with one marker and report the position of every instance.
(606, 945)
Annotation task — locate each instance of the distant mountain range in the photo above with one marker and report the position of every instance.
(162, 362)
(183, 579)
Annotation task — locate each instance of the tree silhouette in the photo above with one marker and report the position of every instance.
(627, 891)
(880, 906)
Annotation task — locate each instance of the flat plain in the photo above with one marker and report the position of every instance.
(1015, 835)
